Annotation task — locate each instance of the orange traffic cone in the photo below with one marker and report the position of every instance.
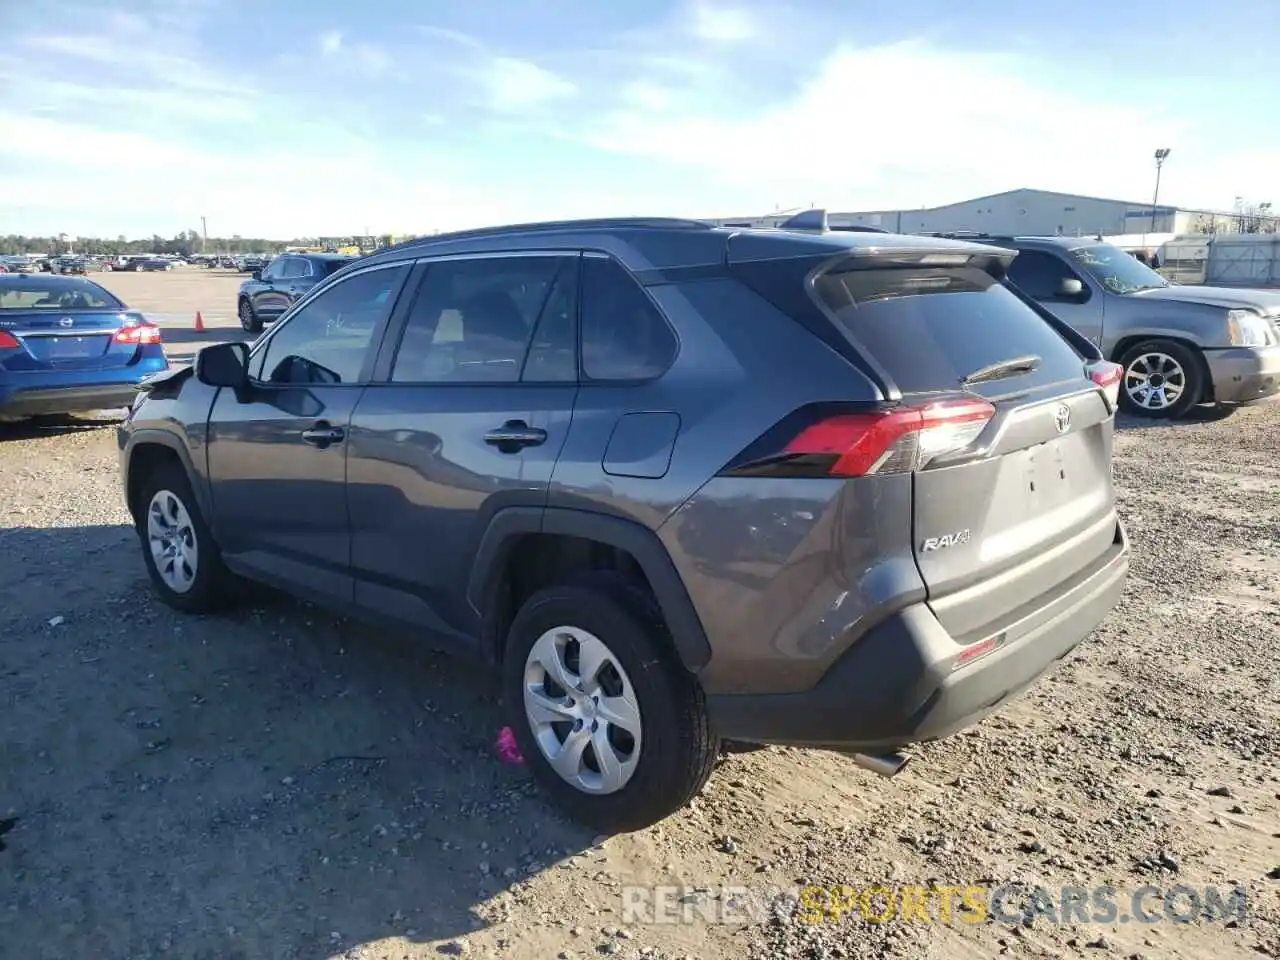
(199, 322)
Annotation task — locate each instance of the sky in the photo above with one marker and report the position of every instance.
(288, 118)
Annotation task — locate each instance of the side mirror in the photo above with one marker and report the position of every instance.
(1069, 288)
(224, 365)
(257, 274)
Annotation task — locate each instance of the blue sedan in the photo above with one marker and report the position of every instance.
(66, 345)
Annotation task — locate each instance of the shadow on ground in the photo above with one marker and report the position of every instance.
(1206, 413)
(53, 425)
(206, 336)
(271, 782)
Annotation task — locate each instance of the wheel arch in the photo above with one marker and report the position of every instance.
(1133, 338)
(146, 451)
(510, 527)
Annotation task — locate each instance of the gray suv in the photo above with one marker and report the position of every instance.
(1178, 345)
(681, 484)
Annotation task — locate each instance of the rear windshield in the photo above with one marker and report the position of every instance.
(930, 327)
(50, 293)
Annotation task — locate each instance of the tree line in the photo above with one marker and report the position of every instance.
(187, 243)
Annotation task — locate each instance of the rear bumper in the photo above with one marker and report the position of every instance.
(26, 403)
(898, 684)
(30, 394)
(1242, 374)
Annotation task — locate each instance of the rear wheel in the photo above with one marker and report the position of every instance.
(611, 724)
(182, 559)
(1162, 378)
(248, 319)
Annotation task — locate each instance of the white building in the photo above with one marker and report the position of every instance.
(1027, 212)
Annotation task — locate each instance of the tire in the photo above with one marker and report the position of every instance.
(1151, 369)
(248, 319)
(676, 749)
(209, 588)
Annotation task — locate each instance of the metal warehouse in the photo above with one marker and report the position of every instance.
(1028, 212)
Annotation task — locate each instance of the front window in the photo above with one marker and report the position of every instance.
(1118, 271)
(36, 293)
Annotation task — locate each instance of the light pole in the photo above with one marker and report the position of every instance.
(1161, 155)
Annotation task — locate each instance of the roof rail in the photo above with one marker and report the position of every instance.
(552, 226)
(815, 221)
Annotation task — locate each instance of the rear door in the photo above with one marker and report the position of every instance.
(1027, 507)
(476, 406)
(63, 324)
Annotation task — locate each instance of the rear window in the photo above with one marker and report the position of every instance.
(48, 293)
(333, 266)
(930, 327)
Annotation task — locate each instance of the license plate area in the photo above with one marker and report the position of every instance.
(1048, 476)
(70, 348)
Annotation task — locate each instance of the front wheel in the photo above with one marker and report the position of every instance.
(178, 549)
(1162, 379)
(248, 319)
(612, 725)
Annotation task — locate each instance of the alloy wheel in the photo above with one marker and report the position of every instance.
(1155, 381)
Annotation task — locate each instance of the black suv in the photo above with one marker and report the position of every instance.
(277, 286)
(680, 483)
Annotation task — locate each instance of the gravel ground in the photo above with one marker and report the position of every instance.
(279, 783)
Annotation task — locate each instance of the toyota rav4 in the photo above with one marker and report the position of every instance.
(680, 483)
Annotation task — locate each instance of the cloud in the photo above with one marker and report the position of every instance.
(512, 85)
(954, 123)
(330, 42)
(722, 24)
(648, 95)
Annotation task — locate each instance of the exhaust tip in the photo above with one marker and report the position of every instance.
(884, 765)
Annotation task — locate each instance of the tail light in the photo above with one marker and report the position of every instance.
(1107, 377)
(873, 442)
(8, 341)
(139, 334)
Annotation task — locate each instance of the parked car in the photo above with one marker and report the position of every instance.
(66, 344)
(905, 463)
(272, 290)
(155, 264)
(1179, 345)
(18, 264)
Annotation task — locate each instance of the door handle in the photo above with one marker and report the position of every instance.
(514, 435)
(322, 434)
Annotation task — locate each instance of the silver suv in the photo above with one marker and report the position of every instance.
(1178, 345)
(679, 483)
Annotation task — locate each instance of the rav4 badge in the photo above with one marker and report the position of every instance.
(946, 540)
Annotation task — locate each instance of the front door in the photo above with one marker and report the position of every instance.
(1039, 275)
(477, 404)
(277, 453)
(270, 299)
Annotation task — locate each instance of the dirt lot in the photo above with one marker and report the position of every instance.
(278, 783)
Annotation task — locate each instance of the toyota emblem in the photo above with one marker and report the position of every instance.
(1062, 417)
(65, 322)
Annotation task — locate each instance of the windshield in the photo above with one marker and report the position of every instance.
(1118, 271)
(49, 293)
